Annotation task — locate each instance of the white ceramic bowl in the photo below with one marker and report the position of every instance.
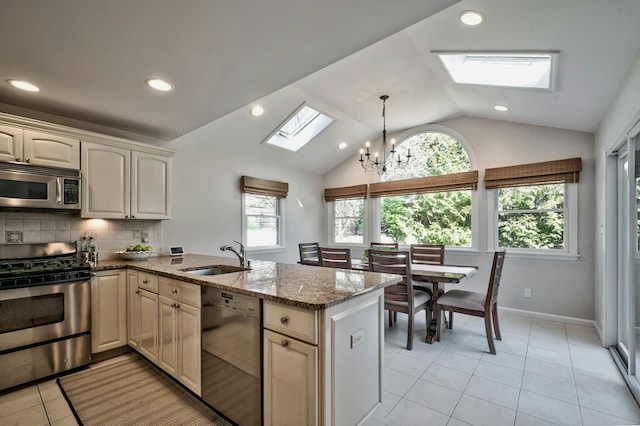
(135, 255)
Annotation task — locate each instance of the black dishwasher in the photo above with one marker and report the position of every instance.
(232, 354)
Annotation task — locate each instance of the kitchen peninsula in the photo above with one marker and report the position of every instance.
(322, 331)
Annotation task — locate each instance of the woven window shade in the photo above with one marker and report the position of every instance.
(451, 182)
(560, 171)
(252, 185)
(346, 192)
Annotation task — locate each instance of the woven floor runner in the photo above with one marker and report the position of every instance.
(131, 391)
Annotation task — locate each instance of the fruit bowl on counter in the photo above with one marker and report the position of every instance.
(136, 252)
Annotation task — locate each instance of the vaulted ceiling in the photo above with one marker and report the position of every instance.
(91, 59)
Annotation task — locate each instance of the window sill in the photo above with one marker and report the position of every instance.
(270, 249)
(541, 256)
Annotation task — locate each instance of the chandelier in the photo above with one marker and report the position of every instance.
(387, 161)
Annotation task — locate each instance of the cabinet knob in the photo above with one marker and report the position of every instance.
(137, 291)
(284, 343)
(174, 291)
(27, 160)
(145, 281)
(133, 217)
(284, 320)
(93, 274)
(175, 305)
(17, 158)
(126, 216)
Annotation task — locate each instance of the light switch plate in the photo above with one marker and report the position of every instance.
(357, 338)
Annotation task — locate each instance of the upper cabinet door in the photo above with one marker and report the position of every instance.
(150, 186)
(51, 150)
(10, 143)
(105, 181)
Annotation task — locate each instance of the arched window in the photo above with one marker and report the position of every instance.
(438, 215)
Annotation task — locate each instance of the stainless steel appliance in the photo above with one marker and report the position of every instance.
(27, 186)
(45, 314)
(231, 355)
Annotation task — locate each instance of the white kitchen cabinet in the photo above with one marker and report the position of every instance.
(119, 183)
(290, 381)
(179, 352)
(38, 148)
(142, 322)
(323, 366)
(108, 310)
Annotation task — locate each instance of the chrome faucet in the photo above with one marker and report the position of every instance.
(241, 256)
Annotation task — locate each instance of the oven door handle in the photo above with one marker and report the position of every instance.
(58, 191)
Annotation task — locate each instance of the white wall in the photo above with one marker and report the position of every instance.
(207, 168)
(623, 111)
(559, 287)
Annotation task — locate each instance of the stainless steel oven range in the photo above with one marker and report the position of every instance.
(45, 314)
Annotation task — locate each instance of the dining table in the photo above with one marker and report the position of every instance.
(436, 275)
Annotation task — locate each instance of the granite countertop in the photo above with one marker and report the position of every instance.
(309, 287)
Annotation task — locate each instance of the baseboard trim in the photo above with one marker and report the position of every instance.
(550, 317)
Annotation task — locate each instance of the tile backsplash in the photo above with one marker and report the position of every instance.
(109, 234)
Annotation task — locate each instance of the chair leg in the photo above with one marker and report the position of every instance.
(496, 326)
(487, 326)
(450, 320)
(428, 312)
(395, 316)
(410, 332)
(390, 319)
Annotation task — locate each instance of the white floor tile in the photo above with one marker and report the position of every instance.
(464, 350)
(389, 401)
(457, 362)
(548, 369)
(31, 416)
(596, 418)
(604, 367)
(448, 377)
(397, 382)
(49, 390)
(505, 359)
(57, 409)
(19, 401)
(408, 364)
(497, 393)
(507, 376)
(478, 412)
(434, 396)
(620, 404)
(549, 409)
(67, 421)
(456, 422)
(541, 354)
(527, 420)
(407, 413)
(558, 389)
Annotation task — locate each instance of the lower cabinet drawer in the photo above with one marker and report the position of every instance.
(180, 291)
(292, 321)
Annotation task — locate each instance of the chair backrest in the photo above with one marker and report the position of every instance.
(384, 246)
(494, 279)
(335, 257)
(308, 251)
(394, 262)
(427, 254)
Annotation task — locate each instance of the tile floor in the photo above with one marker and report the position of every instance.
(545, 373)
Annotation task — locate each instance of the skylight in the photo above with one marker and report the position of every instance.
(534, 70)
(299, 128)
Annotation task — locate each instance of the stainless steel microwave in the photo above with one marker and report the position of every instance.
(27, 186)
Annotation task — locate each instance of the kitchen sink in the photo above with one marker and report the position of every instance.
(214, 270)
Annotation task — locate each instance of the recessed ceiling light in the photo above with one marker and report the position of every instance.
(501, 108)
(24, 85)
(257, 111)
(158, 84)
(471, 17)
(342, 145)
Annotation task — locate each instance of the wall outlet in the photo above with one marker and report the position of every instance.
(527, 293)
(13, 236)
(357, 338)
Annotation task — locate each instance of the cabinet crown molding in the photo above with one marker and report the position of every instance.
(83, 135)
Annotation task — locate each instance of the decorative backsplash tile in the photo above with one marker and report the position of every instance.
(110, 235)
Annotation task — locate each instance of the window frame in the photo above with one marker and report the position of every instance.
(280, 207)
(437, 128)
(332, 221)
(570, 251)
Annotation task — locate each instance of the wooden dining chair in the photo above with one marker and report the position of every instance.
(428, 254)
(400, 297)
(479, 304)
(309, 254)
(335, 257)
(383, 246)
